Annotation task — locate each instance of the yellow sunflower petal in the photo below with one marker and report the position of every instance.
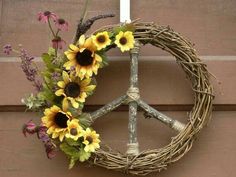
(47, 112)
(50, 130)
(98, 58)
(74, 103)
(55, 109)
(85, 142)
(69, 64)
(89, 72)
(95, 69)
(55, 135)
(61, 137)
(81, 40)
(74, 48)
(65, 104)
(61, 84)
(71, 56)
(85, 82)
(89, 88)
(90, 45)
(59, 92)
(66, 77)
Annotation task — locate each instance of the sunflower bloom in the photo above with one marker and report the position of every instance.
(74, 90)
(83, 58)
(101, 40)
(125, 40)
(56, 122)
(91, 140)
(74, 129)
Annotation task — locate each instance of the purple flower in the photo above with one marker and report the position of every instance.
(41, 131)
(7, 49)
(50, 150)
(44, 16)
(29, 128)
(29, 70)
(61, 24)
(58, 43)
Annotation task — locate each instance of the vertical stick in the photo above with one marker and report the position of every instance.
(132, 126)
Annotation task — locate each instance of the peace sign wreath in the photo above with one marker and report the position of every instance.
(69, 78)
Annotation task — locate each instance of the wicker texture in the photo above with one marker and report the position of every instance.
(158, 159)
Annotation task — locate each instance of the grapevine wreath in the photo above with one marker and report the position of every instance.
(70, 77)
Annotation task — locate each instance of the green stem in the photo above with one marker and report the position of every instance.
(50, 27)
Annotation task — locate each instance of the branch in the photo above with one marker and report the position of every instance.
(83, 27)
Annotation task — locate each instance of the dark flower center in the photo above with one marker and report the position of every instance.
(61, 21)
(73, 131)
(84, 58)
(89, 139)
(60, 120)
(101, 39)
(123, 41)
(47, 13)
(72, 89)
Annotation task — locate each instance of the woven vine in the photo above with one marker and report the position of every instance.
(156, 160)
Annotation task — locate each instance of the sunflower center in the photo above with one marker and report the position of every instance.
(47, 13)
(73, 131)
(89, 139)
(84, 58)
(123, 41)
(61, 21)
(72, 89)
(101, 39)
(60, 120)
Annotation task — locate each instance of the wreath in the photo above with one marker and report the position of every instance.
(70, 77)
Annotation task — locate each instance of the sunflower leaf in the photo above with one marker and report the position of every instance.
(69, 150)
(73, 160)
(72, 142)
(51, 51)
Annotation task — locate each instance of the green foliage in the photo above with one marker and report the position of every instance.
(33, 102)
(124, 28)
(85, 120)
(104, 62)
(50, 83)
(74, 152)
(72, 142)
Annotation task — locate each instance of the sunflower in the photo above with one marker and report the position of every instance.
(91, 140)
(73, 89)
(56, 121)
(74, 129)
(83, 58)
(101, 40)
(125, 40)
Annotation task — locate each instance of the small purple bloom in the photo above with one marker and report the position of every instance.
(50, 150)
(29, 128)
(58, 43)
(44, 16)
(61, 24)
(7, 49)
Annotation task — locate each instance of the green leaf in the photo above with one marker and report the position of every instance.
(69, 150)
(73, 160)
(47, 60)
(51, 51)
(74, 154)
(72, 142)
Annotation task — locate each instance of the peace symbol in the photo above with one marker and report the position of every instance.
(142, 163)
